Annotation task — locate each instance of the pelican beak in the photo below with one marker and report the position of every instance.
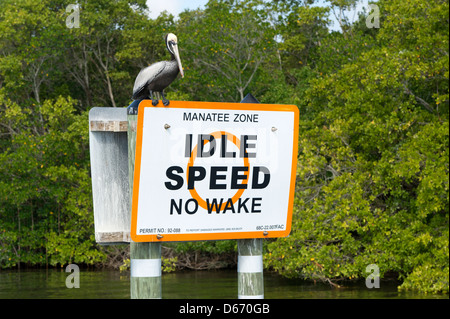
(177, 57)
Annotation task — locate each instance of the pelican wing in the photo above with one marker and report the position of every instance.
(146, 76)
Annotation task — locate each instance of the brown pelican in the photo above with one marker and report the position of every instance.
(158, 76)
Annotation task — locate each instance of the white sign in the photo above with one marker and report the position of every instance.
(208, 171)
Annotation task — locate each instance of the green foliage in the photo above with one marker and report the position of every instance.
(227, 44)
(169, 264)
(46, 212)
(215, 247)
(373, 165)
(125, 266)
(427, 278)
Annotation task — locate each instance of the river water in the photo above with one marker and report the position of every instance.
(111, 284)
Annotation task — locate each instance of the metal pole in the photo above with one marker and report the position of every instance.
(250, 259)
(145, 258)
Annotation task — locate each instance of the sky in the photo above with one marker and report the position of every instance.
(175, 7)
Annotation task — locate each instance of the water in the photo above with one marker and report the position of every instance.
(110, 284)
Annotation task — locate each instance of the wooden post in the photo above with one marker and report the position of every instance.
(145, 258)
(250, 269)
(109, 173)
(250, 259)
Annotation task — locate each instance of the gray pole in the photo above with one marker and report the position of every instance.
(145, 258)
(250, 259)
(250, 269)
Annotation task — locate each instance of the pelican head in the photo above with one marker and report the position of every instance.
(172, 46)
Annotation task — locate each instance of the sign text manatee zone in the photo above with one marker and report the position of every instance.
(210, 171)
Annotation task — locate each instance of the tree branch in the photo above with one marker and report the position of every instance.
(420, 100)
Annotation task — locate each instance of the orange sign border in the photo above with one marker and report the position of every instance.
(211, 236)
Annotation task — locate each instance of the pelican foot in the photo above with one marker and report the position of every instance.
(166, 102)
(155, 102)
